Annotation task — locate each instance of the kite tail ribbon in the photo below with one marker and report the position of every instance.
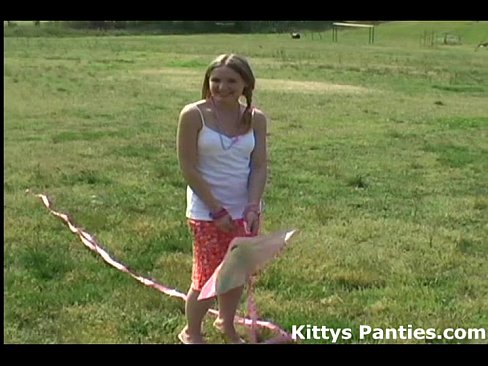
(90, 242)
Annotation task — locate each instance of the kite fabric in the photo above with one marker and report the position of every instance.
(245, 257)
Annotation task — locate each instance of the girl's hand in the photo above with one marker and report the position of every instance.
(252, 222)
(225, 224)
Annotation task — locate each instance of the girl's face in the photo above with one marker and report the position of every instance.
(226, 85)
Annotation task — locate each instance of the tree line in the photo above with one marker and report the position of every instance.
(194, 26)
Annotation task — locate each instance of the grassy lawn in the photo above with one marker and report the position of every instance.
(377, 154)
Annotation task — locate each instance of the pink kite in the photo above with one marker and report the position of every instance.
(245, 257)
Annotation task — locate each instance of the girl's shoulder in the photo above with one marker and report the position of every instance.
(194, 112)
(258, 116)
(194, 106)
(191, 115)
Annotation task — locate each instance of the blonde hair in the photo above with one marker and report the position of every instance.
(240, 65)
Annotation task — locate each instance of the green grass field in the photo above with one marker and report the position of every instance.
(377, 154)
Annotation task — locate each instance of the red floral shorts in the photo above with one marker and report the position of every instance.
(209, 248)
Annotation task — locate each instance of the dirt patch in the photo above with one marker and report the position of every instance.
(174, 71)
(188, 78)
(296, 86)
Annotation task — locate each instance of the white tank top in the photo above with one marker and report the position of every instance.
(224, 163)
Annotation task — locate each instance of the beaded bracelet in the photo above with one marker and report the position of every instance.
(218, 214)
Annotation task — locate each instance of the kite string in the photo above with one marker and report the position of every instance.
(89, 241)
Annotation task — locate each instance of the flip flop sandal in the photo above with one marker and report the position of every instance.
(183, 337)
